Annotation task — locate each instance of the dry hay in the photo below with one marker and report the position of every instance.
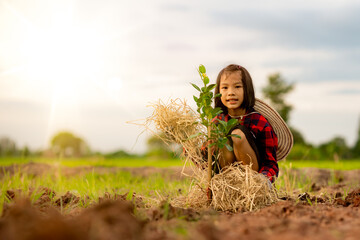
(236, 188)
(178, 122)
(175, 119)
(239, 188)
(197, 195)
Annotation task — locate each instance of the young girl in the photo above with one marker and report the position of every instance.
(258, 144)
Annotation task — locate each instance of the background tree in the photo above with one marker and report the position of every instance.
(276, 91)
(356, 148)
(158, 148)
(7, 147)
(25, 152)
(119, 154)
(69, 145)
(335, 149)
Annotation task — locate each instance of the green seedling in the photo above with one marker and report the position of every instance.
(218, 131)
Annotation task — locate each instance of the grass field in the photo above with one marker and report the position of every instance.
(350, 164)
(76, 162)
(92, 185)
(162, 163)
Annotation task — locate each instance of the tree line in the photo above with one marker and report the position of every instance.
(63, 144)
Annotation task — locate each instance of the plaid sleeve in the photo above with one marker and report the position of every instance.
(221, 117)
(269, 143)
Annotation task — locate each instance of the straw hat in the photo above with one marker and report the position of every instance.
(283, 133)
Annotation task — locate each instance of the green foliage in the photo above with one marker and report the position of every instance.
(155, 142)
(335, 149)
(349, 164)
(305, 152)
(276, 91)
(25, 152)
(159, 153)
(67, 144)
(356, 149)
(7, 147)
(157, 147)
(220, 131)
(118, 154)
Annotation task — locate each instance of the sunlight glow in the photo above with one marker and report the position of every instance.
(63, 53)
(61, 57)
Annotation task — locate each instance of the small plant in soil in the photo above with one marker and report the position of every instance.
(217, 131)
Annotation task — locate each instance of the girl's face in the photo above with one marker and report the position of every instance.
(232, 92)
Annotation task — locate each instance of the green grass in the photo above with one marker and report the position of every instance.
(77, 162)
(162, 163)
(326, 164)
(93, 185)
(289, 182)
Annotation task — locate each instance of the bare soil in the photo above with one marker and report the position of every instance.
(38, 169)
(311, 215)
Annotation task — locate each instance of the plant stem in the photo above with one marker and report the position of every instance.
(209, 165)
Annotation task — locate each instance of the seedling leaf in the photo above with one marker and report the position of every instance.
(196, 87)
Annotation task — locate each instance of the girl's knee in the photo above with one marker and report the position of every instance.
(237, 140)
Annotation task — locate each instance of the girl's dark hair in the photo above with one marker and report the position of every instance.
(249, 95)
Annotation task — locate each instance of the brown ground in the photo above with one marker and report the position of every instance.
(312, 215)
(37, 169)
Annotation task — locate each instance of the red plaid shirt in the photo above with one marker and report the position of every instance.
(265, 139)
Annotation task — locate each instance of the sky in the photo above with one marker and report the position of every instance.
(92, 66)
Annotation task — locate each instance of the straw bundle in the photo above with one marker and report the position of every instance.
(237, 188)
(196, 198)
(178, 122)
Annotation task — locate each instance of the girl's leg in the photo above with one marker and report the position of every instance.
(242, 153)
(226, 157)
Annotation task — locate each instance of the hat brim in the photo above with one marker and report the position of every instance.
(283, 133)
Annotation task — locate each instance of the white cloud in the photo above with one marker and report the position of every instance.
(327, 97)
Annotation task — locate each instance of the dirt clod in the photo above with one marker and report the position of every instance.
(167, 211)
(304, 196)
(110, 220)
(66, 199)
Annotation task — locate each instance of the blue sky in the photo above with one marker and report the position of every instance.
(91, 66)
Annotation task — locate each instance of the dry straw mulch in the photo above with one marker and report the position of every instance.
(239, 188)
(236, 188)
